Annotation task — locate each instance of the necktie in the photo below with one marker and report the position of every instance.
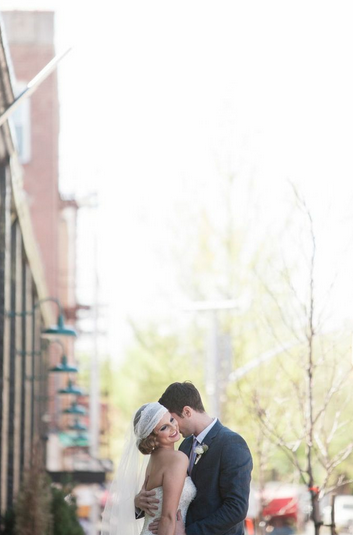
(192, 455)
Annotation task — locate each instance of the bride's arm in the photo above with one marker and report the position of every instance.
(173, 482)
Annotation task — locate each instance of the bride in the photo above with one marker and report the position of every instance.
(154, 433)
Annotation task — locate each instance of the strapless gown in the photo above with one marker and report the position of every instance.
(187, 495)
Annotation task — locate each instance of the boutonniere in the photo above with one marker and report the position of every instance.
(200, 450)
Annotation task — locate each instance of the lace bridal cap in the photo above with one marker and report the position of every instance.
(119, 513)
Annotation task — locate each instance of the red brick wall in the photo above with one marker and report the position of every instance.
(31, 35)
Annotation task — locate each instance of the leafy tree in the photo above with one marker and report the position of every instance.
(41, 508)
(63, 509)
(7, 523)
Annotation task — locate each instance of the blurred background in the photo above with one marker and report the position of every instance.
(176, 204)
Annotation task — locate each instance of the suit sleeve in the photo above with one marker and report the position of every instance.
(234, 488)
(139, 513)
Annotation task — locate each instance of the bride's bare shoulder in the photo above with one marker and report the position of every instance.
(172, 464)
(181, 455)
(178, 457)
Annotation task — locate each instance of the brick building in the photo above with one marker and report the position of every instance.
(23, 373)
(37, 252)
(32, 411)
(30, 38)
(30, 35)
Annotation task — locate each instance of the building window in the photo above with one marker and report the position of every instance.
(22, 123)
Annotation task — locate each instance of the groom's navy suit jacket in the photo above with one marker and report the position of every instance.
(222, 478)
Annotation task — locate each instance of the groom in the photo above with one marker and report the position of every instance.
(220, 468)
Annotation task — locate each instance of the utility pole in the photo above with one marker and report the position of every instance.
(94, 382)
(214, 358)
(94, 400)
(94, 416)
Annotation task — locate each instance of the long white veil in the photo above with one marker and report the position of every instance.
(119, 513)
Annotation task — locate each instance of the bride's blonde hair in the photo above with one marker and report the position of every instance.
(148, 444)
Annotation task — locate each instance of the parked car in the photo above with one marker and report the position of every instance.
(343, 514)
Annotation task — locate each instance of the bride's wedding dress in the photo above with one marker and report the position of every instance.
(187, 495)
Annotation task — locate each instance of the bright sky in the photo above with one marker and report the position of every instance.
(155, 93)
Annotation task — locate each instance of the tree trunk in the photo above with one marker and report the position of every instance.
(333, 523)
(315, 514)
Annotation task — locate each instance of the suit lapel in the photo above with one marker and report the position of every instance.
(208, 441)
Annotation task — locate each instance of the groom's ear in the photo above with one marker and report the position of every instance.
(187, 412)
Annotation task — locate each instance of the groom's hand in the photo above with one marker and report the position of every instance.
(153, 526)
(146, 501)
(179, 526)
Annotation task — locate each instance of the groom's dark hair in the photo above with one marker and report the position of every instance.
(178, 395)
